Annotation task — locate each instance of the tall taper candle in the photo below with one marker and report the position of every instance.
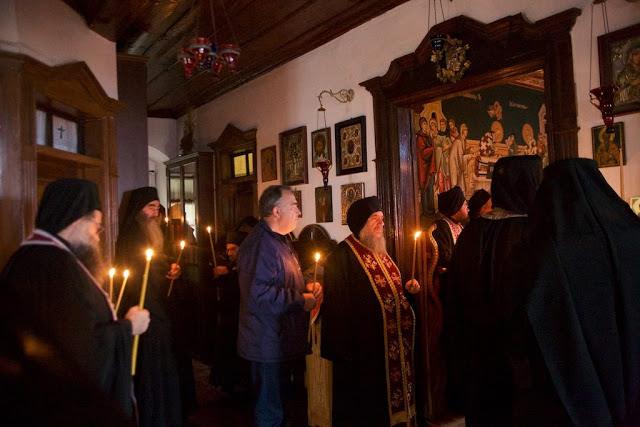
(315, 270)
(143, 293)
(124, 283)
(415, 246)
(621, 171)
(177, 262)
(112, 272)
(213, 251)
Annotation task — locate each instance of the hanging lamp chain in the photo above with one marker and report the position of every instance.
(226, 15)
(213, 23)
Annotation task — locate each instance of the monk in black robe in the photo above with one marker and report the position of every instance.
(228, 371)
(368, 326)
(54, 282)
(582, 306)
(479, 305)
(455, 214)
(157, 380)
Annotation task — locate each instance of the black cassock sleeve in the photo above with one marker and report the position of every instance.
(337, 335)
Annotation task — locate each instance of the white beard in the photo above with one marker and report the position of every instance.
(377, 245)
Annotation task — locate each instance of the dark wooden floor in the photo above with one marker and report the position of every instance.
(216, 408)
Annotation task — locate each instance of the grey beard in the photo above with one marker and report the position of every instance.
(377, 245)
(91, 257)
(152, 230)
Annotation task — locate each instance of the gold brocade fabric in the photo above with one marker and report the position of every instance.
(399, 322)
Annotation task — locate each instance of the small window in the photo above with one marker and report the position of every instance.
(242, 164)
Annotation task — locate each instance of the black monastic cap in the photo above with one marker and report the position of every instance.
(450, 201)
(477, 201)
(360, 211)
(65, 201)
(515, 182)
(132, 202)
(235, 237)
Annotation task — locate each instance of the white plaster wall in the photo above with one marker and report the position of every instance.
(621, 14)
(163, 135)
(156, 164)
(163, 145)
(287, 97)
(53, 33)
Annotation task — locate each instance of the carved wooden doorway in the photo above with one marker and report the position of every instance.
(499, 52)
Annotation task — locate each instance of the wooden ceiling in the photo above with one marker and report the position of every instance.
(269, 32)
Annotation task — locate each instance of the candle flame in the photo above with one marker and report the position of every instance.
(149, 254)
(182, 244)
(112, 272)
(209, 230)
(317, 256)
(415, 236)
(126, 274)
(166, 219)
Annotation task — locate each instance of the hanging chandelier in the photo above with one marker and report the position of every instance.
(203, 53)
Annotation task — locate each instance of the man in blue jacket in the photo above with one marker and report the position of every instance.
(274, 305)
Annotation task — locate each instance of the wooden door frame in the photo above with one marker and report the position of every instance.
(231, 141)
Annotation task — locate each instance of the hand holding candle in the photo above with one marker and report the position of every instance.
(124, 283)
(112, 272)
(213, 252)
(177, 262)
(143, 293)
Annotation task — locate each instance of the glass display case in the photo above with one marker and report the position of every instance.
(190, 211)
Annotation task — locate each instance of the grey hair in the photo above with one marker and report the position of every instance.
(270, 198)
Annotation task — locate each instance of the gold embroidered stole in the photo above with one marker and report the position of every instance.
(399, 330)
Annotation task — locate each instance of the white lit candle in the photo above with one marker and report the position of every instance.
(112, 272)
(124, 283)
(315, 270)
(177, 262)
(415, 246)
(213, 252)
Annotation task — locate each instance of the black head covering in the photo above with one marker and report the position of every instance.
(477, 201)
(134, 201)
(65, 201)
(450, 201)
(583, 306)
(360, 211)
(515, 181)
(235, 237)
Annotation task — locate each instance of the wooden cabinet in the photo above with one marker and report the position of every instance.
(34, 97)
(190, 196)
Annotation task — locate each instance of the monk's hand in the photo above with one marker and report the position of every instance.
(220, 270)
(309, 301)
(316, 289)
(412, 286)
(139, 320)
(174, 273)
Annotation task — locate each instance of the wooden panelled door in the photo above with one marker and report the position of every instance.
(236, 180)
